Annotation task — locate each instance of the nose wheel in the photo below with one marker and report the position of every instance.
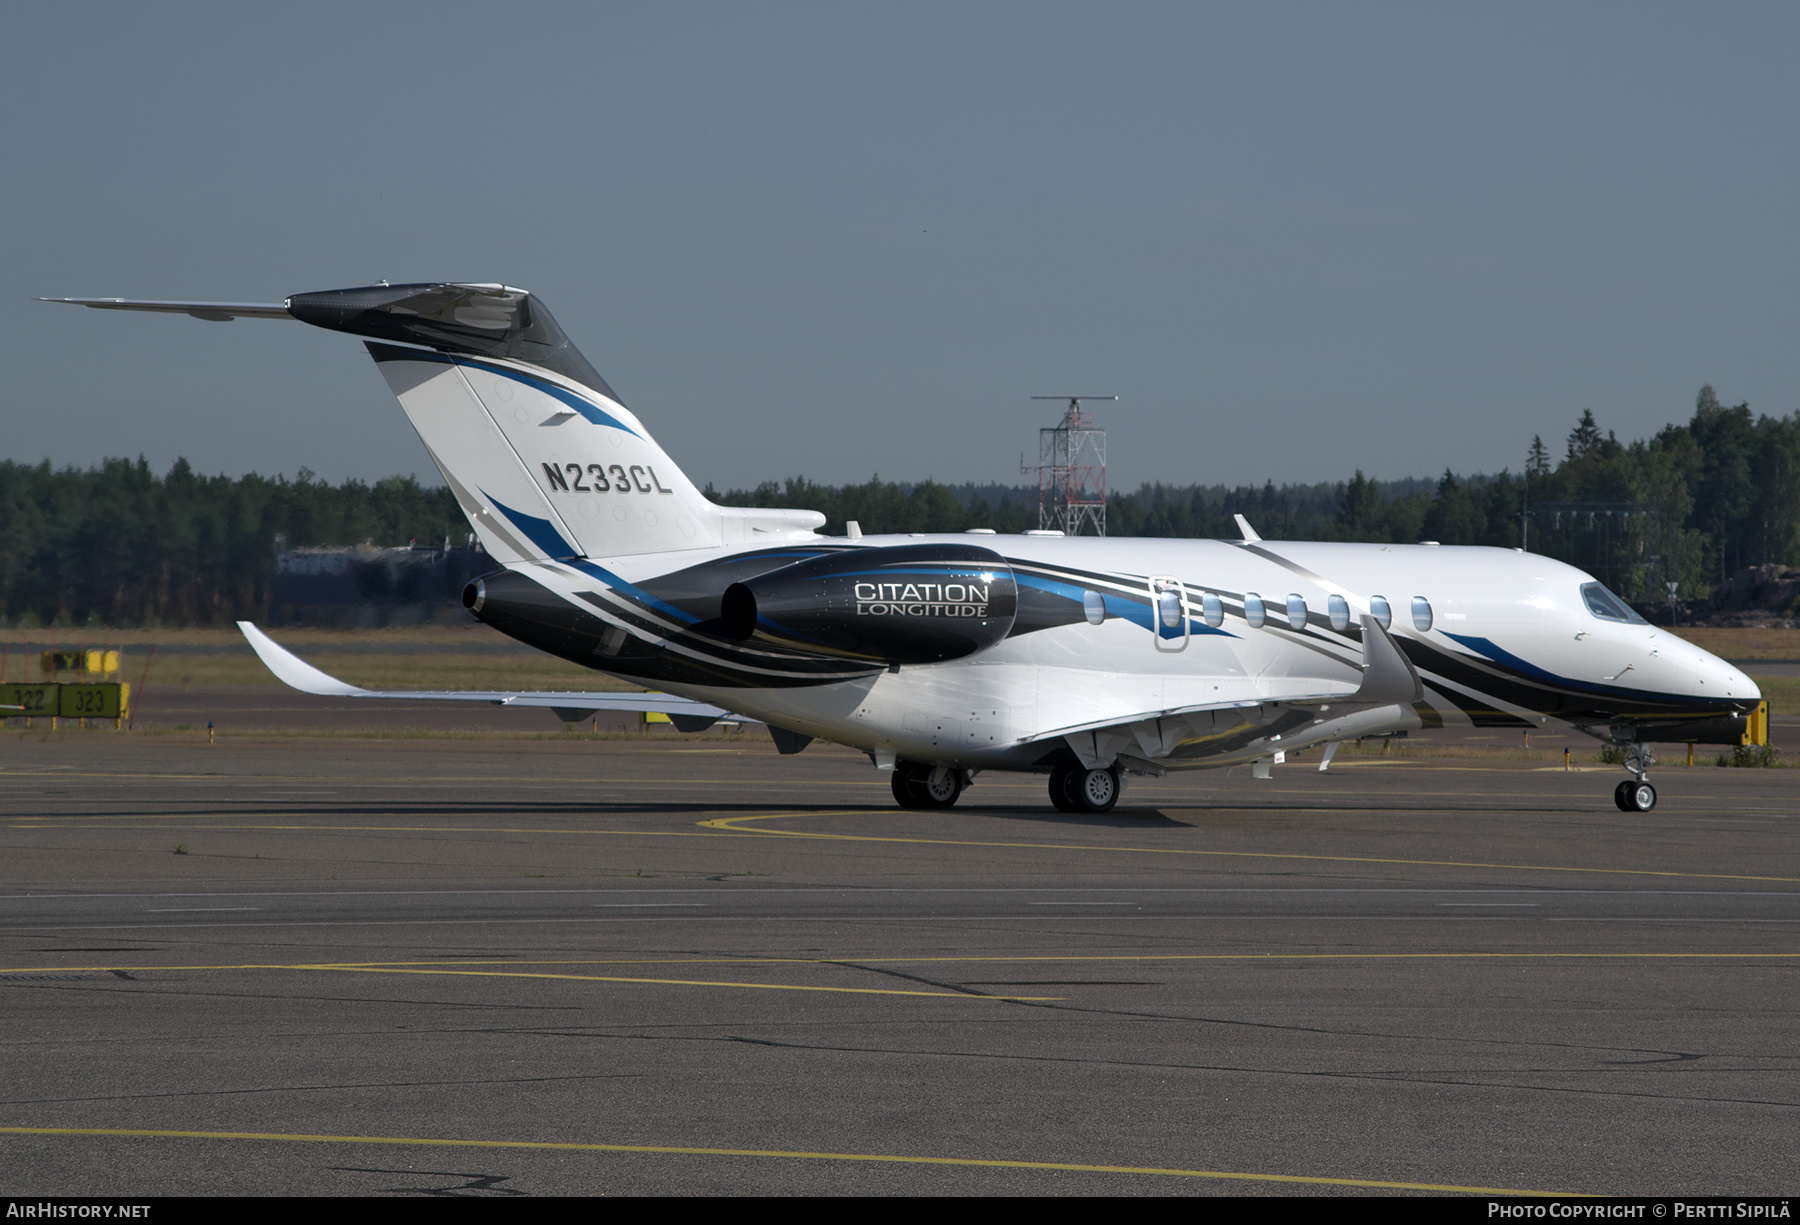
(1636, 794)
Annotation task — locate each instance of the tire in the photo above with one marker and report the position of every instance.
(1642, 797)
(1061, 794)
(1094, 790)
(1620, 796)
(918, 786)
(901, 782)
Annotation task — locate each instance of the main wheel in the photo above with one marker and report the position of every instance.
(1078, 789)
(1620, 795)
(1642, 796)
(1093, 790)
(936, 786)
(917, 785)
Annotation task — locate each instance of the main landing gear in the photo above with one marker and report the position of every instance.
(1079, 789)
(917, 785)
(1636, 794)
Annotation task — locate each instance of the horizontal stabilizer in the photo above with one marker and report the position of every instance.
(296, 673)
(220, 312)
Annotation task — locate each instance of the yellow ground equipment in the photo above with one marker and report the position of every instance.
(1756, 725)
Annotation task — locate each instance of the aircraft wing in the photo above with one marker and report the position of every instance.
(1388, 679)
(222, 312)
(296, 673)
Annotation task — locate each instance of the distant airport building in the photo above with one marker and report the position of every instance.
(366, 587)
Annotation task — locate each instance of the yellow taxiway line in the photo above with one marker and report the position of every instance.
(791, 1155)
(451, 970)
(852, 961)
(736, 825)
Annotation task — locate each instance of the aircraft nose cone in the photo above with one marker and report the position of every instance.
(1740, 686)
(1721, 680)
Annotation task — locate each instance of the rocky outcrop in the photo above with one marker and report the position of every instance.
(1757, 597)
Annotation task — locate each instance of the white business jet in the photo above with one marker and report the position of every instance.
(942, 656)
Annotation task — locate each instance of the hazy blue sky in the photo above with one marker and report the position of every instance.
(835, 239)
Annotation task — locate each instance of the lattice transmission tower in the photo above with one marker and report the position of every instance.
(1072, 471)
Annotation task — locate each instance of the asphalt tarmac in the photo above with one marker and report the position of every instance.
(502, 969)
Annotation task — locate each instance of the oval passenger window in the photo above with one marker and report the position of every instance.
(1421, 613)
(1093, 605)
(1296, 611)
(1169, 606)
(1211, 610)
(1253, 610)
(1340, 612)
(1378, 608)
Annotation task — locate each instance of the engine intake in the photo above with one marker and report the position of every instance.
(905, 604)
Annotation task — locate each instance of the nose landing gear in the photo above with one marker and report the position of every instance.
(1636, 794)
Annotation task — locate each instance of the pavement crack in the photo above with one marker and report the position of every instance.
(959, 988)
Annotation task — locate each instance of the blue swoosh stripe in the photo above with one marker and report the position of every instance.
(586, 408)
(1068, 591)
(591, 411)
(540, 532)
(1501, 655)
(637, 593)
(885, 570)
(1116, 605)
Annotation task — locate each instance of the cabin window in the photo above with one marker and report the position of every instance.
(1339, 611)
(1168, 609)
(1378, 608)
(1093, 606)
(1253, 610)
(1296, 611)
(1421, 613)
(1607, 606)
(1211, 610)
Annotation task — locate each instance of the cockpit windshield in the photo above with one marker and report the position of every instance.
(1607, 606)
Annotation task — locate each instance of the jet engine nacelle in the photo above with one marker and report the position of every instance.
(523, 608)
(905, 604)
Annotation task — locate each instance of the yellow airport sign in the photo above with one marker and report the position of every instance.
(106, 700)
(38, 700)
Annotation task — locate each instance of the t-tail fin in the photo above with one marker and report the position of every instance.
(541, 454)
(543, 458)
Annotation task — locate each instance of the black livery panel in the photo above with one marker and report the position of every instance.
(905, 604)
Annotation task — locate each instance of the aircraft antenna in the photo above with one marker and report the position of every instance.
(1072, 471)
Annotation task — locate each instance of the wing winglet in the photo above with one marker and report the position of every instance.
(295, 672)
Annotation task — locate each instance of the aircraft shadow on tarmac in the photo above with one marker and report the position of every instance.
(477, 1186)
(1147, 818)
